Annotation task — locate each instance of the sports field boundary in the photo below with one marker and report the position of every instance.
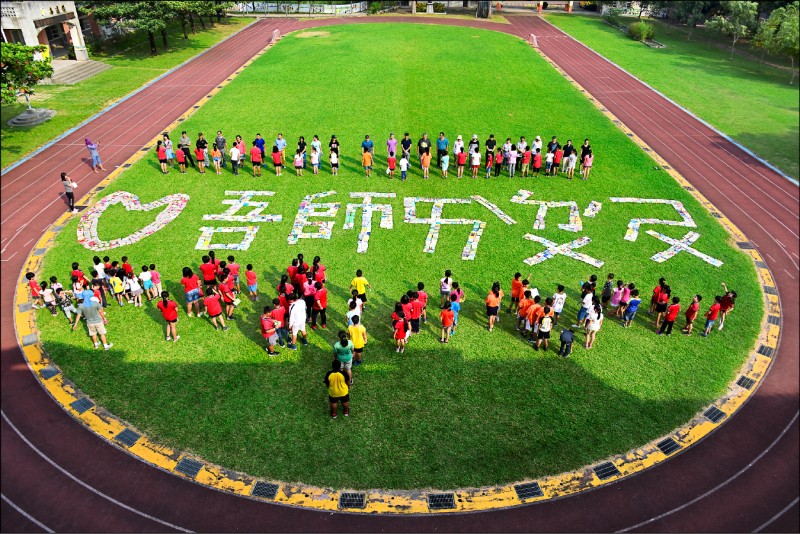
(598, 474)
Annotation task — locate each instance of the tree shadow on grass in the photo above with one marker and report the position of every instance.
(458, 422)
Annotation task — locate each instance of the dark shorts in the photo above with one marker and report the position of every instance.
(514, 299)
(173, 321)
(346, 398)
(543, 335)
(363, 297)
(491, 310)
(605, 298)
(661, 307)
(358, 352)
(215, 316)
(162, 161)
(278, 165)
(334, 165)
(414, 325)
(210, 282)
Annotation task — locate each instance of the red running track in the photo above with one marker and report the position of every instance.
(58, 476)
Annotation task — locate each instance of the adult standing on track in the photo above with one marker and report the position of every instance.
(93, 152)
(222, 145)
(69, 189)
(423, 146)
(186, 147)
(441, 148)
(95, 321)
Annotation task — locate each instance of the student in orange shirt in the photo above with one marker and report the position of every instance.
(426, 163)
(366, 161)
(522, 308)
(493, 300)
(517, 290)
(531, 317)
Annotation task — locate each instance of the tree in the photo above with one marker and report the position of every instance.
(691, 13)
(22, 69)
(151, 17)
(736, 21)
(779, 34)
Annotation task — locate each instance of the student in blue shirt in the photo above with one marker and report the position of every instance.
(455, 307)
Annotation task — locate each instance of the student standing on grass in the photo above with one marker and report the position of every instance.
(567, 338)
(200, 154)
(400, 326)
(343, 352)
(269, 329)
(255, 159)
(391, 145)
(236, 155)
(672, 314)
(216, 158)
(512, 161)
(423, 146)
(606, 293)
(537, 162)
(405, 144)
(170, 148)
(691, 314)
(278, 315)
(489, 164)
(161, 154)
(360, 284)
(662, 304)
(631, 308)
(95, 321)
(493, 302)
(712, 314)
(251, 279)
(185, 146)
(191, 288)
(571, 161)
(448, 318)
(475, 163)
(214, 308)
(180, 157)
(587, 165)
(656, 292)
(320, 306)
(316, 144)
(586, 306)
(260, 143)
(445, 164)
(297, 321)
(299, 162)
(425, 161)
(455, 307)
(334, 163)
(202, 144)
(445, 286)
(567, 151)
(593, 323)
(368, 145)
(358, 335)
(616, 297)
(69, 190)
(301, 147)
(95, 154)
(549, 158)
(336, 382)
(586, 148)
(423, 298)
(276, 159)
(526, 161)
(726, 305)
(403, 168)
(315, 160)
(461, 160)
(441, 148)
(624, 299)
(366, 161)
(391, 163)
(545, 325)
(169, 309)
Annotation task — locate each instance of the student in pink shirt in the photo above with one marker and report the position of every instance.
(587, 164)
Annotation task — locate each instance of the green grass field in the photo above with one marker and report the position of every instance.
(484, 409)
(132, 68)
(750, 101)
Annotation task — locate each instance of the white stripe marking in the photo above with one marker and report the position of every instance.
(27, 516)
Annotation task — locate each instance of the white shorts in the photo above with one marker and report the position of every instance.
(527, 325)
(295, 328)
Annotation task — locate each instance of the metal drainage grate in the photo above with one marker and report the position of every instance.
(745, 382)
(126, 165)
(145, 149)
(49, 372)
(606, 470)
(352, 500)
(81, 405)
(714, 414)
(761, 264)
(668, 446)
(528, 490)
(39, 251)
(441, 501)
(772, 290)
(766, 351)
(688, 188)
(745, 245)
(189, 467)
(716, 215)
(127, 437)
(265, 490)
(58, 228)
(774, 319)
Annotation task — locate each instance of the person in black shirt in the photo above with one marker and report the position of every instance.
(405, 142)
(301, 148)
(490, 144)
(568, 150)
(423, 146)
(585, 149)
(474, 144)
(553, 145)
(334, 145)
(567, 338)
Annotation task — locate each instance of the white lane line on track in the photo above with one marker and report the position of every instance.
(721, 484)
(9, 258)
(84, 484)
(776, 516)
(790, 274)
(25, 514)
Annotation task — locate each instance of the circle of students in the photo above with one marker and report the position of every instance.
(303, 299)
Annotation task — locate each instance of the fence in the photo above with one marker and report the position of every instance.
(300, 8)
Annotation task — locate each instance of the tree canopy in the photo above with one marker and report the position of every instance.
(737, 20)
(780, 33)
(20, 71)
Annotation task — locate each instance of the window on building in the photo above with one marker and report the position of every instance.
(14, 36)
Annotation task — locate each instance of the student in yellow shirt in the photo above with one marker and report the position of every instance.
(360, 284)
(358, 335)
(336, 382)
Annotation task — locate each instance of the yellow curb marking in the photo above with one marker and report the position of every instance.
(395, 502)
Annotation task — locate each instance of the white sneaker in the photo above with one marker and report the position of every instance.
(97, 344)
(720, 326)
(108, 346)
(177, 338)
(169, 338)
(74, 211)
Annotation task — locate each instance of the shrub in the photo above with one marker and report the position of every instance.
(438, 7)
(589, 6)
(641, 31)
(374, 7)
(613, 17)
(544, 5)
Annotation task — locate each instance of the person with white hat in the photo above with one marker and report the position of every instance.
(537, 144)
(458, 145)
(474, 144)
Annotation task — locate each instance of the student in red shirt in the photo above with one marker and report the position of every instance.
(276, 159)
(255, 159)
(269, 329)
(461, 160)
(669, 319)
(423, 298)
(226, 292)
(200, 154)
(169, 309)
(161, 154)
(537, 162)
(557, 157)
(284, 288)
(662, 303)
(36, 291)
(209, 271)
(180, 155)
(214, 308)
(191, 288)
(446, 315)
(656, 292)
(81, 277)
(417, 308)
(320, 306)
(526, 161)
(712, 314)
(278, 314)
(400, 325)
(726, 305)
(691, 314)
(252, 281)
(234, 268)
(392, 161)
